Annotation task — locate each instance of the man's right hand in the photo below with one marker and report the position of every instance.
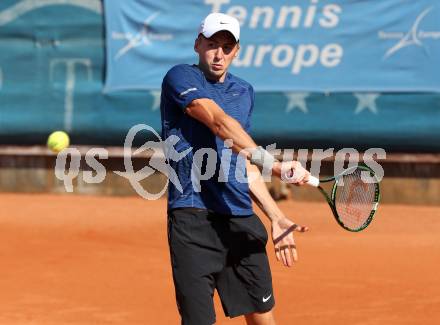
(290, 172)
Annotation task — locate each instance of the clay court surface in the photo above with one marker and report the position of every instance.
(69, 259)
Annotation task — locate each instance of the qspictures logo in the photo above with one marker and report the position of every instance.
(163, 155)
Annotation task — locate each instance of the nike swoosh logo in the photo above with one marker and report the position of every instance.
(222, 23)
(266, 299)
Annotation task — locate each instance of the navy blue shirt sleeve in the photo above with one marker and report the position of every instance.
(247, 126)
(182, 84)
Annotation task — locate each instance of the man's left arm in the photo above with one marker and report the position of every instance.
(282, 227)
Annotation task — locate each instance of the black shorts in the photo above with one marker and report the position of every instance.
(211, 251)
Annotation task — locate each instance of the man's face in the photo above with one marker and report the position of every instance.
(216, 54)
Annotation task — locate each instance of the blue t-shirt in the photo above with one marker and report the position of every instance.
(225, 192)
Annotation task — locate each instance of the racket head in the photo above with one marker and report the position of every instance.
(355, 196)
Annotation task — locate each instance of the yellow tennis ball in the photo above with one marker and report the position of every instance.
(58, 141)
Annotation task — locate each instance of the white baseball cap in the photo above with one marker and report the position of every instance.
(216, 22)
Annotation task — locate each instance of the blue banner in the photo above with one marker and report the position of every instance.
(306, 45)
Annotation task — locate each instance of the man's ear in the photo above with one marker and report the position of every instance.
(196, 44)
(238, 50)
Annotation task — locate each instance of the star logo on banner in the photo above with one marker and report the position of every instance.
(414, 37)
(156, 100)
(145, 36)
(366, 101)
(296, 100)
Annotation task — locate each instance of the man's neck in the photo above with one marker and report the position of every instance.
(221, 79)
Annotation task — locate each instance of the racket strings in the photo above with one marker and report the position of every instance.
(354, 200)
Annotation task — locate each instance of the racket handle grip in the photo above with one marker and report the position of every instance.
(313, 181)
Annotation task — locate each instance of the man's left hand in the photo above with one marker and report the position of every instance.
(284, 242)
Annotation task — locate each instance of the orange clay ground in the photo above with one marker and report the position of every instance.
(67, 259)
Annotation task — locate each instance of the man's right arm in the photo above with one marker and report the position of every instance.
(221, 124)
(225, 127)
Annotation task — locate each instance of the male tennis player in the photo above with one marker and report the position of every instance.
(216, 241)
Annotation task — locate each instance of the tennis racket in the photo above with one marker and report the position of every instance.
(354, 197)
